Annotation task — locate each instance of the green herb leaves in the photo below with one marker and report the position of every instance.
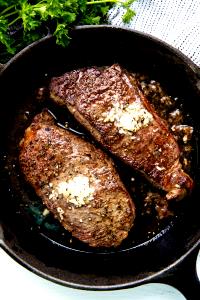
(59, 16)
(4, 37)
(129, 14)
(62, 35)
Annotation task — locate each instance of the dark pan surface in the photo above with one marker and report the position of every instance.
(44, 246)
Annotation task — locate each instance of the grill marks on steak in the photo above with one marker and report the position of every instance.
(77, 182)
(108, 102)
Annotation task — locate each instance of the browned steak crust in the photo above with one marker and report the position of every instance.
(77, 182)
(108, 102)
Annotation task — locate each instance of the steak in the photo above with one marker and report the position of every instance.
(109, 103)
(77, 182)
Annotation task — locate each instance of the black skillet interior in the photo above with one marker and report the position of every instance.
(43, 246)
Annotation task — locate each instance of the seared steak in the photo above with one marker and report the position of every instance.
(109, 103)
(77, 182)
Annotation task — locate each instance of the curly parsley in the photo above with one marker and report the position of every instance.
(31, 18)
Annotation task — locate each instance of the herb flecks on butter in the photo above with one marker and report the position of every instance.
(128, 118)
(77, 191)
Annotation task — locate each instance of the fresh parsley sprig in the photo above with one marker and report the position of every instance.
(33, 17)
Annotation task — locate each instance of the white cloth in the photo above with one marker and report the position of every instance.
(176, 22)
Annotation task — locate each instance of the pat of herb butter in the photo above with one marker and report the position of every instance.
(128, 118)
(77, 190)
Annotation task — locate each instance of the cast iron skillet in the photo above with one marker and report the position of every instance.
(49, 252)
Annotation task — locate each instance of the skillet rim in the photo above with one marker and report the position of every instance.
(156, 276)
(177, 52)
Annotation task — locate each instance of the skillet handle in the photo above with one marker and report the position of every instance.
(184, 277)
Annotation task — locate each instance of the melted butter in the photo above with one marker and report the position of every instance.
(77, 190)
(128, 118)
